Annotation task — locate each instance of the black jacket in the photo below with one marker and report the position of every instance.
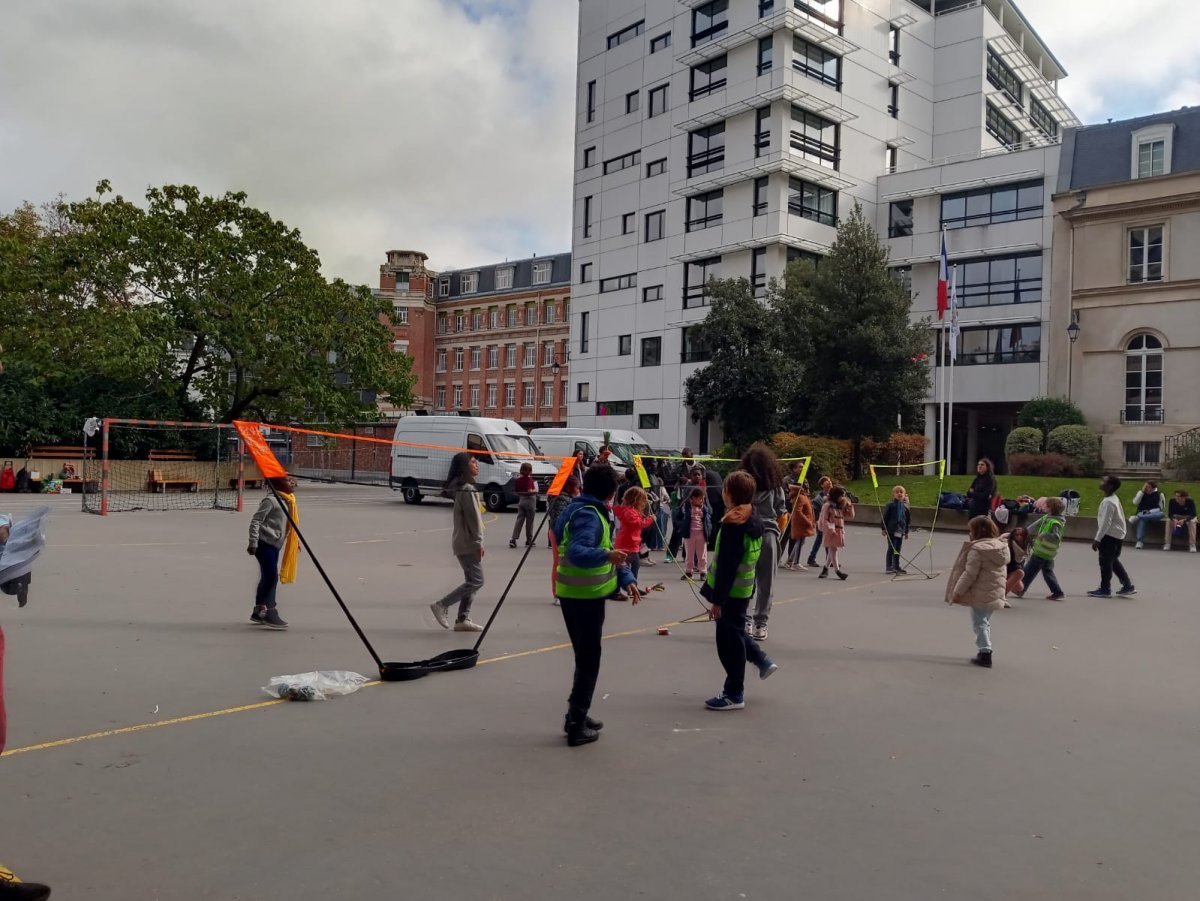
(729, 557)
(980, 494)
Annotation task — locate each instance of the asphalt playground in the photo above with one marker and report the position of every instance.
(145, 762)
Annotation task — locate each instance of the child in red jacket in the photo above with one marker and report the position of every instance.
(633, 519)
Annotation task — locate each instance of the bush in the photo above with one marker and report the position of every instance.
(1023, 440)
(1079, 443)
(1044, 465)
(830, 456)
(1185, 465)
(899, 448)
(1048, 413)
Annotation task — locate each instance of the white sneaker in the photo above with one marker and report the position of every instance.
(439, 613)
(1192, 549)
(759, 632)
(801, 567)
(465, 625)
(1166, 547)
(1139, 546)
(1132, 520)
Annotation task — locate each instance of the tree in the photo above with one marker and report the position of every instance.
(846, 325)
(747, 380)
(1048, 413)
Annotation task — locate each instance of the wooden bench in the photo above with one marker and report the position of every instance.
(61, 452)
(172, 456)
(158, 483)
(81, 486)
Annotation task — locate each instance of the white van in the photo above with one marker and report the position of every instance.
(565, 442)
(417, 471)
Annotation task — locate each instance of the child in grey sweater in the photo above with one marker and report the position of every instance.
(466, 541)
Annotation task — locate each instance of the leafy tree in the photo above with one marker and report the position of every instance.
(1048, 413)
(747, 381)
(846, 325)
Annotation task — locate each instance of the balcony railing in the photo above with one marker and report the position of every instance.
(1142, 416)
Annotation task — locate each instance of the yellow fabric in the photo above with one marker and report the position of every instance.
(291, 544)
(7, 875)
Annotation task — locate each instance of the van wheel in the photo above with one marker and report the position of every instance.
(493, 499)
(412, 494)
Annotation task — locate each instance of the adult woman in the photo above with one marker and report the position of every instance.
(982, 490)
(770, 503)
(466, 542)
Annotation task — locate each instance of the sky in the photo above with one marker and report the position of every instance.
(437, 125)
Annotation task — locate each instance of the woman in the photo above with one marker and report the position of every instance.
(466, 541)
(801, 527)
(771, 505)
(982, 490)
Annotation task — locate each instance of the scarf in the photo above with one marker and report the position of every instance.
(291, 544)
(737, 515)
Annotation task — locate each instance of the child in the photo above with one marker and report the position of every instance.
(977, 581)
(526, 505)
(588, 575)
(693, 521)
(896, 521)
(1182, 513)
(632, 521)
(832, 526)
(729, 589)
(466, 541)
(558, 504)
(1047, 535)
(276, 547)
(1018, 551)
(1110, 532)
(824, 484)
(802, 526)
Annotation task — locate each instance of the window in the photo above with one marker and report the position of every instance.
(542, 272)
(1001, 76)
(457, 396)
(708, 21)
(627, 223)
(476, 320)
(468, 282)
(706, 150)
(903, 277)
(589, 157)
(987, 206)
(402, 281)
(823, 13)
(624, 345)
(647, 421)
(494, 356)
(494, 317)
(618, 282)
(530, 356)
(1042, 119)
(1143, 380)
(615, 408)
(900, 219)
(1000, 280)
(694, 350)
(1143, 453)
(1021, 343)
(893, 100)
(651, 294)
(583, 392)
(633, 102)
(662, 42)
(894, 45)
(696, 275)
(1151, 158)
(548, 353)
(652, 351)
(441, 361)
(1001, 129)
(528, 392)
(585, 272)
(815, 139)
(891, 158)
(510, 394)
(617, 163)
(512, 316)
(476, 357)
(474, 397)
(761, 185)
(809, 201)
(591, 102)
(440, 397)
(708, 77)
(1152, 151)
(658, 101)
(758, 271)
(657, 167)
(765, 8)
(504, 278)
(443, 324)
(460, 322)
(817, 63)
(762, 131)
(550, 314)
(655, 225)
(491, 396)
(705, 210)
(796, 255)
(444, 286)
(766, 52)
(400, 347)
(547, 394)
(458, 359)
(510, 356)
(587, 216)
(625, 35)
(583, 333)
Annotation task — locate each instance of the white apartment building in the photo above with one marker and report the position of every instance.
(725, 138)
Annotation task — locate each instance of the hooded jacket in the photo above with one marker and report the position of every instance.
(586, 535)
(978, 576)
(729, 555)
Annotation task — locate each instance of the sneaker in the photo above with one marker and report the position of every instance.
(273, 620)
(258, 616)
(824, 573)
(1192, 549)
(1127, 591)
(1055, 597)
(890, 571)
(465, 625)
(801, 567)
(646, 561)
(685, 577)
(768, 669)
(749, 626)
(528, 544)
(812, 562)
(901, 571)
(512, 543)
(1166, 547)
(14, 888)
(1099, 593)
(439, 613)
(1139, 546)
(759, 632)
(983, 658)
(1132, 520)
(720, 702)
(557, 602)
(668, 559)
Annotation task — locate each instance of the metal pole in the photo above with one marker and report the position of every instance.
(354, 452)
(104, 480)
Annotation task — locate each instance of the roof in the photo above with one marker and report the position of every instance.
(1100, 154)
(522, 280)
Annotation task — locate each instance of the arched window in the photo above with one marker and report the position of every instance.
(1144, 379)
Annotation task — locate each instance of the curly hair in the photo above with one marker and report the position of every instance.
(760, 461)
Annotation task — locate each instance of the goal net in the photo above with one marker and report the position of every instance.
(160, 466)
(911, 557)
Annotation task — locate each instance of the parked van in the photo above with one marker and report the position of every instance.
(565, 442)
(418, 471)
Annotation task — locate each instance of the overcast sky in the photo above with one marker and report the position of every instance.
(439, 125)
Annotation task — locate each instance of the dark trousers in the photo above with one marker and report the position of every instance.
(585, 625)
(674, 543)
(812, 554)
(893, 553)
(735, 647)
(268, 580)
(1110, 563)
(1035, 565)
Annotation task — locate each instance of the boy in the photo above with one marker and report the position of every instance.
(1047, 534)
(1110, 533)
(1182, 511)
(729, 589)
(897, 519)
(587, 576)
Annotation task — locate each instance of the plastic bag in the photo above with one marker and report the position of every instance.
(314, 686)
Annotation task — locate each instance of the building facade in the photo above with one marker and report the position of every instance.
(1127, 275)
(408, 284)
(727, 138)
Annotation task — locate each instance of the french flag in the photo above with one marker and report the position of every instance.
(943, 297)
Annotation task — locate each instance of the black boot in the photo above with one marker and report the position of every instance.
(843, 576)
(579, 732)
(824, 573)
(587, 720)
(983, 658)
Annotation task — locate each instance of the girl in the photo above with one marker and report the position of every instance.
(633, 518)
(896, 521)
(557, 505)
(770, 503)
(272, 538)
(466, 541)
(801, 527)
(1014, 572)
(823, 486)
(693, 521)
(832, 526)
(977, 581)
(983, 488)
(526, 505)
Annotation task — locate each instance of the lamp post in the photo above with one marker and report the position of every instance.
(1073, 334)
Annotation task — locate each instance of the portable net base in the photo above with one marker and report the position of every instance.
(152, 465)
(924, 571)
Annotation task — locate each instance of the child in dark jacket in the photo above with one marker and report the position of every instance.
(729, 590)
(896, 520)
(693, 521)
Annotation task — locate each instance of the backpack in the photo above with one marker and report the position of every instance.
(8, 478)
(21, 484)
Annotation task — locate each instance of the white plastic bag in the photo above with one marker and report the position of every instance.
(314, 686)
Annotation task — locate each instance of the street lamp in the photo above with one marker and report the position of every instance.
(1073, 334)
(557, 365)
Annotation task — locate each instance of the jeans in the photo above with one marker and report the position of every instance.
(764, 577)
(658, 531)
(812, 554)
(268, 579)
(1035, 565)
(981, 622)
(526, 511)
(1149, 516)
(633, 563)
(735, 647)
(1110, 563)
(893, 553)
(585, 626)
(464, 594)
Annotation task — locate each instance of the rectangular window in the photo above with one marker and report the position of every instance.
(657, 167)
(825, 14)
(894, 45)
(708, 77)
(694, 350)
(547, 394)
(891, 158)
(476, 357)
(625, 35)
(658, 101)
(617, 163)
(809, 201)
(765, 8)
(761, 184)
(585, 272)
(440, 395)
(618, 282)
(796, 255)
(709, 21)
(550, 314)
(402, 316)
(1001, 76)
(474, 397)
(583, 392)
(542, 272)
(491, 397)
(583, 333)
(504, 278)
(893, 100)
(530, 356)
(696, 275)
(661, 42)
(706, 150)
(457, 397)
(903, 277)
(1001, 129)
(444, 287)
(624, 345)
(705, 210)
(512, 316)
(627, 223)
(458, 359)
(816, 139)
(647, 421)
(994, 281)
(1020, 343)
(655, 226)
(766, 53)
(1152, 156)
(900, 219)
(548, 353)
(468, 282)
(510, 356)
(1143, 453)
(651, 294)
(476, 320)
(633, 102)
(1042, 119)
(443, 325)
(817, 63)
(591, 101)
(987, 206)
(494, 356)
(762, 131)
(510, 394)
(460, 322)
(652, 351)
(402, 281)
(441, 361)
(615, 408)
(1146, 254)
(758, 271)
(587, 216)
(528, 392)
(589, 157)
(494, 317)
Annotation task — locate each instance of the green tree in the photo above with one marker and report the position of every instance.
(846, 324)
(747, 380)
(1048, 413)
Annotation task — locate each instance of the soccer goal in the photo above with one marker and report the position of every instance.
(155, 465)
(917, 557)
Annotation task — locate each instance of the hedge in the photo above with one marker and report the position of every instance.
(1079, 443)
(1024, 440)
(1044, 465)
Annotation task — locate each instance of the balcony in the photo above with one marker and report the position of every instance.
(781, 161)
(795, 93)
(789, 18)
(1148, 415)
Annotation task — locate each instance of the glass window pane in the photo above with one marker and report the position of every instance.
(1004, 270)
(954, 207)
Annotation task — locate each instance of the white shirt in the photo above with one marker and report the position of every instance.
(1110, 519)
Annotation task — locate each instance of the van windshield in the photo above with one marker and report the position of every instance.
(513, 444)
(626, 452)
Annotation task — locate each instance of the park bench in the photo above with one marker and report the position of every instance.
(172, 456)
(160, 484)
(61, 452)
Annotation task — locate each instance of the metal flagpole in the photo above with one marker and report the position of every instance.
(953, 357)
(942, 400)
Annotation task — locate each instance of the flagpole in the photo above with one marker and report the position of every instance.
(943, 290)
(953, 357)
(942, 398)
